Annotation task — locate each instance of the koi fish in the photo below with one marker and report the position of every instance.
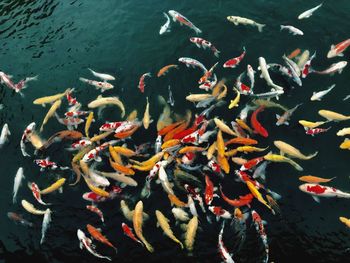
(19, 218)
(317, 191)
(309, 12)
(265, 74)
(138, 222)
(236, 20)
(345, 144)
(85, 242)
(338, 49)
(259, 226)
(306, 68)
(209, 190)
(294, 53)
(258, 128)
(5, 132)
(333, 116)
(166, 27)
(311, 125)
(6, 79)
(292, 29)
(345, 220)
(56, 185)
(141, 84)
(314, 131)
(200, 42)
(190, 62)
(28, 130)
(36, 193)
(163, 223)
(79, 145)
(69, 122)
(45, 224)
(315, 179)
(183, 21)
(71, 101)
(286, 116)
(97, 235)
(255, 192)
(103, 76)
(146, 117)
(50, 99)
(234, 62)
(180, 214)
(241, 201)
(319, 95)
(94, 153)
(98, 84)
(17, 183)
(50, 113)
(190, 234)
(103, 101)
(128, 231)
(165, 70)
(225, 255)
(279, 158)
(292, 151)
(218, 211)
(335, 67)
(46, 164)
(251, 163)
(31, 209)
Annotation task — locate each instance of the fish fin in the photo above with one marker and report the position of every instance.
(286, 123)
(277, 116)
(81, 245)
(316, 198)
(264, 222)
(261, 76)
(340, 55)
(98, 159)
(260, 27)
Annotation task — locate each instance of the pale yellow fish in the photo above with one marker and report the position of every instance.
(243, 125)
(36, 140)
(89, 120)
(343, 132)
(239, 160)
(345, 144)
(223, 127)
(345, 220)
(146, 117)
(84, 168)
(255, 192)
(220, 90)
(198, 97)
(235, 101)
(333, 116)
(269, 104)
(95, 189)
(132, 116)
(129, 214)
(280, 159)
(292, 151)
(50, 113)
(138, 222)
(101, 136)
(164, 118)
(191, 232)
(249, 149)
(310, 124)
(31, 209)
(163, 222)
(56, 185)
(49, 99)
(211, 150)
(119, 177)
(103, 101)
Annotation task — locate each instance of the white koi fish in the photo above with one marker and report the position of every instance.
(319, 95)
(190, 62)
(335, 67)
(166, 27)
(17, 183)
(45, 224)
(103, 76)
(236, 20)
(309, 12)
(265, 74)
(293, 30)
(5, 132)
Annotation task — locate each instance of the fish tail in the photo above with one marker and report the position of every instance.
(260, 27)
(311, 156)
(148, 246)
(197, 30)
(83, 79)
(296, 166)
(216, 53)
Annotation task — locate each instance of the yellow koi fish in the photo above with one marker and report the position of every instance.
(103, 101)
(235, 101)
(223, 127)
(333, 116)
(31, 209)
(311, 125)
(50, 113)
(146, 117)
(345, 144)
(243, 125)
(291, 151)
(282, 159)
(249, 149)
(132, 116)
(89, 120)
(163, 222)
(138, 222)
(129, 214)
(220, 144)
(49, 99)
(191, 232)
(343, 132)
(345, 220)
(255, 192)
(56, 185)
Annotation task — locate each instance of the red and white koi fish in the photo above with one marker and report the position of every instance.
(98, 84)
(36, 193)
(259, 226)
(338, 49)
(233, 62)
(218, 211)
(94, 153)
(183, 21)
(47, 164)
(6, 79)
(258, 128)
(191, 62)
(192, 138)
(71, 101)
(110, 126)
(86, 243)
(19, 219)
(200, 42)
(195, 196)
(243, 89)
(315, 131)
(207, 75)
(94, 209)
(214, 166)
(317, 191)
(188, 158)
(252, 163)
(69, 122)
(80, 144)
(306, 70)
(128, 231)
(225, 255)
(70, 114)
(209, 191)
(335, 67)
(208, 85)
(28, 130)
(142, 85)
(95, 198)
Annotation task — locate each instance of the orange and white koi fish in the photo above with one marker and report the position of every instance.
(337, 50)
(86, 243)
(96, 234)
(94, 209)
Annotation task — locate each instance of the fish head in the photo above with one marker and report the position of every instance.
(81, 235)
(332, 53)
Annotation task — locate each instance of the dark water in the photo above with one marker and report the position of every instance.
(59, 40)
